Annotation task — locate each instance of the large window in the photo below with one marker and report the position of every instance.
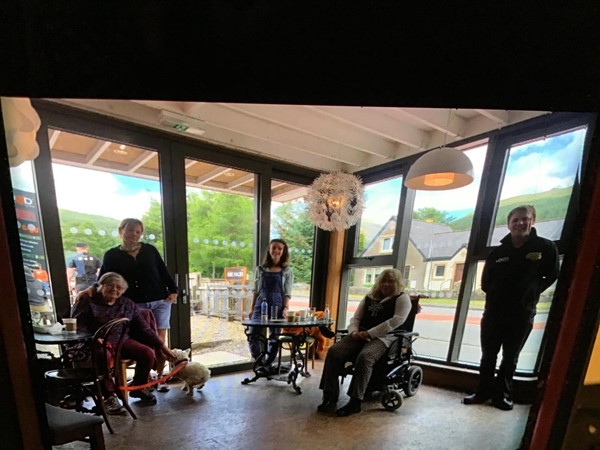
(290, 222)
(443, 237)
(440, 230)
(378, 223)
(541, 172)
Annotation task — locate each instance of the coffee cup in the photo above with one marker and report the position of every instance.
(70, 324)
(303, 315)
(291, 316)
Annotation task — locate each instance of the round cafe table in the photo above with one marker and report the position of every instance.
(255, 332)
(62, 338)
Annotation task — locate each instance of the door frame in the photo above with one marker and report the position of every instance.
(172, 151)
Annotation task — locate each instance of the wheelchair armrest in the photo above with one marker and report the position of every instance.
(339, 334)
(401, 333)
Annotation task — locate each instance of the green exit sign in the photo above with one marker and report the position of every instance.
(180, 127)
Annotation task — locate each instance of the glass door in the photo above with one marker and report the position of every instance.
(220, 204)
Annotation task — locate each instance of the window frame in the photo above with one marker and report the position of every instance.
(499, 143)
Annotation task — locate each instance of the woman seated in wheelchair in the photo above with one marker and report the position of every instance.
(382, 310)
(105, 304)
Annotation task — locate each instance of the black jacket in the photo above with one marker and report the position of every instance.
(514, 278)
(146, 275)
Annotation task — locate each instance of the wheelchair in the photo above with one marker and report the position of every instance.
(394, 372)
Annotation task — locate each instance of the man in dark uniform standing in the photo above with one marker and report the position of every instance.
(514, 276)
(84, 266)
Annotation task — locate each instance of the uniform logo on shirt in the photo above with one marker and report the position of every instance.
(503, 259)
(534, 256)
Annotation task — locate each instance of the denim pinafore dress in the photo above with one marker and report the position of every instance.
(271, 290)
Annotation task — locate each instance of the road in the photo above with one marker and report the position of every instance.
(434, 325)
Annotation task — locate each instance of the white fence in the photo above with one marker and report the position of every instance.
(221, 299)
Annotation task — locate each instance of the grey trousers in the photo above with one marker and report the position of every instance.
(362, 353)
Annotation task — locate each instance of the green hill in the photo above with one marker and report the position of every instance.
(549, 205)
(68, 217)
(98, 243)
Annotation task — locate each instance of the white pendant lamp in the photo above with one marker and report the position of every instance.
(441, 169)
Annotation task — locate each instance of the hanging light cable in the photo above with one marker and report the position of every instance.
(444, 168)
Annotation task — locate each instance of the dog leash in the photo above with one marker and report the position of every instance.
(178, 367)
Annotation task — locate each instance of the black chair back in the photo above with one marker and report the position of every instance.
(107, 344)
(409, 323)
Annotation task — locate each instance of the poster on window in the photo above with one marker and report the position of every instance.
(30, 234)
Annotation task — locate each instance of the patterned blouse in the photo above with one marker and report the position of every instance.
(92, 313)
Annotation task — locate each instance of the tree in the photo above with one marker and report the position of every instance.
(290, 221)
(220, 232)
(432, 215)
(153, 226)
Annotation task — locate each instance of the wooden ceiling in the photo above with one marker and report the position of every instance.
(324, 138)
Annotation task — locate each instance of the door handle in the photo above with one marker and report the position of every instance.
(182, 292)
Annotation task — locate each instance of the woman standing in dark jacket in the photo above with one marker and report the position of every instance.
(150, 284)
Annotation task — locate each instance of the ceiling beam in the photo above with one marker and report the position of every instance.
(219, 170)
(497, 116)
(295, 192)
(53, 135)
(240, 181)
(138, 162)
(373, 120)
(96, 152)
(303, 119)
(446, 121)
(234, 121)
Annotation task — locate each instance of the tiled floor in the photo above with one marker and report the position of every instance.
(269, 415)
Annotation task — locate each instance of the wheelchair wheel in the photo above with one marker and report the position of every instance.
(391, 400)
(414, 378)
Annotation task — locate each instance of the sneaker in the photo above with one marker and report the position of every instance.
(144, 395)
(113, 407)
(162, 387)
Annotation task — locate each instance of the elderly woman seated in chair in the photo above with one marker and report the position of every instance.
(98, 306)
(382, 310)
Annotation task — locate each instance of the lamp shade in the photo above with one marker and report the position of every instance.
(439, 170)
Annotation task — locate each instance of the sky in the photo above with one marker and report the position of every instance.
(103, 193)
(534, 167)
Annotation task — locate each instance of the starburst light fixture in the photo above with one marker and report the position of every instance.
(335, 201)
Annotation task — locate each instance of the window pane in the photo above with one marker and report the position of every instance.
(220, 224)
(378, 219)
(290, 222)
(541, 173)
(470, 351)
(437, 248)
(33, 248)
(115, 182)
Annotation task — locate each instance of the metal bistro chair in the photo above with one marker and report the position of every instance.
(106, 365)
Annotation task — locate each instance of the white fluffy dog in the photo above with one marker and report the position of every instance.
(193, 374)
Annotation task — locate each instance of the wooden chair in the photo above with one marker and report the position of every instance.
(68, 426)
(148, 315)
(106, 365)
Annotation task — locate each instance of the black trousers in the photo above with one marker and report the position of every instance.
(506, 331)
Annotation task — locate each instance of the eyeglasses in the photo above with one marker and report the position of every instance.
(118, 287)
